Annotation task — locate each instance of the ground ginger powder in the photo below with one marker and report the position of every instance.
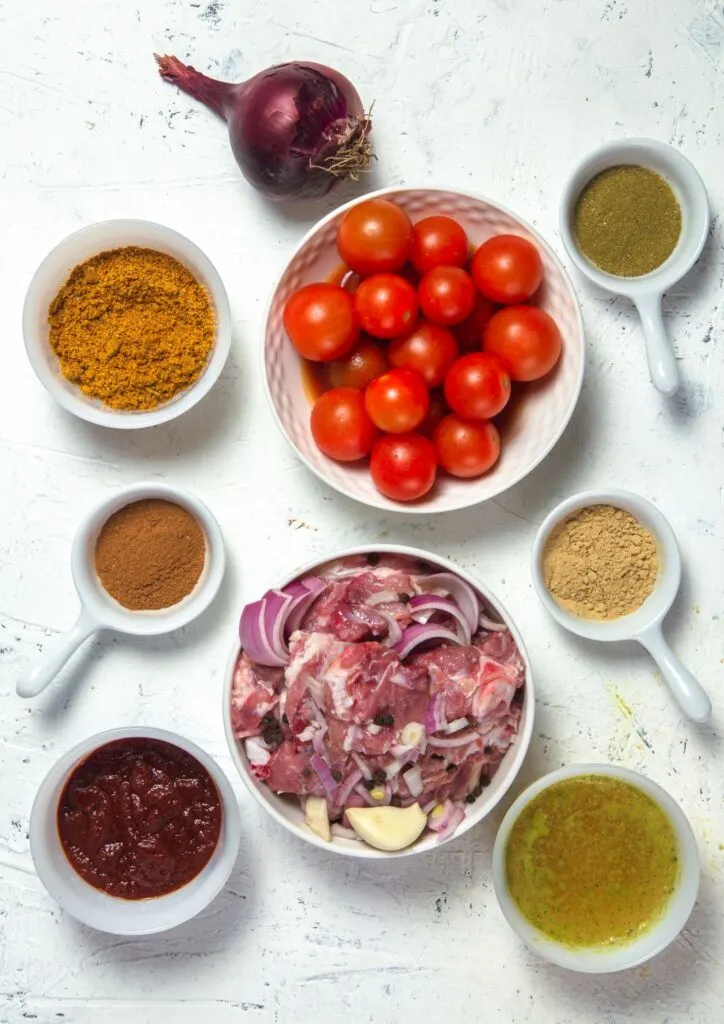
(132, 328)
(600, 563)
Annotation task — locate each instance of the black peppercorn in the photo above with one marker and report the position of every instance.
(373, 558)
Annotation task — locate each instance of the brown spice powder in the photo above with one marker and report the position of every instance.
(132, 327)
(600, 563)
(150, 554)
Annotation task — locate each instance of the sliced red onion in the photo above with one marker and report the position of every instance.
(318, 742)
(325, 775)
(382, 597)
(352, 736)
(373, 729)
(494, 627)
(446, 823)
(254, 639)
(413, 780)
(303, 593)
(405, 754)
(346, 787)
(428, 805)
(276, 607)
(393, 769)
(257, 751)
(362, 765)
(420, 634)
(435, 715)
(340, 832)
(455, 726)
(394, 629)
(458, 740)
(461, 592)
(424, 606)
(306, 735)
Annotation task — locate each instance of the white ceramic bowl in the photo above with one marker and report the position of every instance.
(287, 810)
(645, 623)
(108, 913)
(646, 290)
(529, 433)
(651, 942)
(101, 611)
(52, 274)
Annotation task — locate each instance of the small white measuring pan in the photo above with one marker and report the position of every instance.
(100, 611)
(646, 291)
(644, 624)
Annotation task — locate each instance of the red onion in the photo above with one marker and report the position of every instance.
(461, 592)
(420, 634)
(325, 775)
(424, 606)
(446, 822)
(265, 625)
(295, 129)
(435, 714)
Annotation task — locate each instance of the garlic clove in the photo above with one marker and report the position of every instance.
(388, 828)
(316, 816)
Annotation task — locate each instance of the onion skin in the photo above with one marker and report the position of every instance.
(295, 129)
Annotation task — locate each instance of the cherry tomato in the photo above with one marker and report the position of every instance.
(397, 401)
(403, 466)
(477, 386)
(427, 348)
(341, 426)
(447, 295)
(386, 305)
(470, 332)
(525, 339)
(437, 410)
(359, 367)
(507, 268)
(375, 237)
(465, 447)
(321, 322)
(438, 242)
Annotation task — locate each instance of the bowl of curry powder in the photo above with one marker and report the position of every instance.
(127, 324)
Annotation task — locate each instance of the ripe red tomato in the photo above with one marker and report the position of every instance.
(447, 295)
(386, 305)
(466, 448)
(438, 242)
(525, 339)
(321, 322)
(477, 386)
(403, 466)
(375, 237)
(507, 268)
(427, 348)
(359, 367)
(437, 410)
(470, 332)
(397, 401)
(340, 425)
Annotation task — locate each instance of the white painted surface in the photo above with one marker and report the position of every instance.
(502, 97)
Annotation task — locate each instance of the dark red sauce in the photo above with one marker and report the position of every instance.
(139, 818)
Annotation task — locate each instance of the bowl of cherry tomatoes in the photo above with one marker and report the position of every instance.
(423, 350)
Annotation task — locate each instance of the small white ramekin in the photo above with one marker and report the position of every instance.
(52, 274)
(660, 935)
(288, 810)
(108, 913)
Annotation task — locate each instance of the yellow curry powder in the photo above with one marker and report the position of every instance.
(132, 327)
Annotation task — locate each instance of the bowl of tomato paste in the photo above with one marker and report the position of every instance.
(134, 831)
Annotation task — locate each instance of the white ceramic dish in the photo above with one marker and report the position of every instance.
(647, 290)
(288, 812)
(651, 942)
(52, 274)
(108, 913)
(644, 624)
(100, 611)
(529, 434)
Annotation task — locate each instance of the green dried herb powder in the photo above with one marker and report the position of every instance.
(627, 220)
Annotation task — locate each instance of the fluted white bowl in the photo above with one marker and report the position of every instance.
(541, 413)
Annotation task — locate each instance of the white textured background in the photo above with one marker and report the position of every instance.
(502, 97)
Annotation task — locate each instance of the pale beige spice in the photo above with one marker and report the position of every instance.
(600, 563)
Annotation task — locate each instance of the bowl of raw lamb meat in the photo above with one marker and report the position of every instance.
(379, 703)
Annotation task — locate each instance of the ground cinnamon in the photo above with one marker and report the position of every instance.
(132, 327)
(600, 562)
(150, 554)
